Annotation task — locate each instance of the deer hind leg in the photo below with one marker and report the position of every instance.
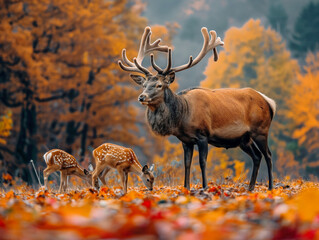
(203, 151)
(188, 155)
(46, 173)
(256, 156)
(262, 144)
(103, 175)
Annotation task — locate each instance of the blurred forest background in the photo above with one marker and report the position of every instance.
(61, 87)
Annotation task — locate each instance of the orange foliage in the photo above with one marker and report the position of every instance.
(62, 76)
(305, 109)
(222, 212)
(5, 126)
(286, 165)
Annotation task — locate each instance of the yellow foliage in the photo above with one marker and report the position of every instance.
(170, 166)
(307, 204)
(286, 165)
(5, 126)
(240, 171)
(66, 55)
(305, 105)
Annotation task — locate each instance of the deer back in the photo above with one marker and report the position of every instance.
(112, 154)
(60, 158)
(227, 113)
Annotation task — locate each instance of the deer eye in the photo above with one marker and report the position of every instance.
(148, 180)
(159, 86)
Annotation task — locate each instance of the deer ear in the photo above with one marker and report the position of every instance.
(145, 169)
(90, 167)
(169, 78)
(86, 172)
(138, 79)
(152, 167)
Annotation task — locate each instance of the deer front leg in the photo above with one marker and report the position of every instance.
(63, 181)
(188, 155)
(95, 175)
(203, 150)
(46, 173)
(124, 177)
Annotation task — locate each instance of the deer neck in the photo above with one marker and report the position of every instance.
(79, 171)
(136, 168)
(165, 117)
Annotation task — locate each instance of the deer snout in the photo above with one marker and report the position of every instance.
(142, 97)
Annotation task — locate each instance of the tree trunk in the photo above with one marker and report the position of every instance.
(83, 141)
(26, 145)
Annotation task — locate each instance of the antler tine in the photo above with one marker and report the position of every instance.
(129, 69)
(214, 42)
(208, 45)
(141, 68)
(136, 66)
(169, 62)
(205, 47)
(183, 67)
(125, 59)
(155, 66)
(215, 54)
(155, 43)
(145, 39)
(145, 47)
(156, 47)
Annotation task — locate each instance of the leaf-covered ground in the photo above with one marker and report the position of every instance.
(290, 211)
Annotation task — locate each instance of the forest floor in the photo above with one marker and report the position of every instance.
(290, 211)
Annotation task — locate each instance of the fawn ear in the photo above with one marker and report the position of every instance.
(86, 172)
(145, 169)
(152, 167)
(90, 167)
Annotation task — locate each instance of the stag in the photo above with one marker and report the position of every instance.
(225, 118)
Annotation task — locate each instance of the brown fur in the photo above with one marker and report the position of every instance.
(124, 160)
(218, 109)
(221, 117)
(59, 160)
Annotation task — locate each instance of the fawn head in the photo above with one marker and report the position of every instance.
(148, 177)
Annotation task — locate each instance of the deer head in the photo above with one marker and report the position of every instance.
(154, 85)
(148, 176)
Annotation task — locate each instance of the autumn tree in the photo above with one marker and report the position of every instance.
(305, 112)
(59, 73)
(5, 126)
(305, 36)
(257, 57)
(277, 18)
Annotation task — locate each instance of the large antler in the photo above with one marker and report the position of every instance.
(145, 48)
(208, 45)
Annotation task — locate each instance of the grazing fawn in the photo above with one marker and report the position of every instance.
(58, 160)
(124, 160)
